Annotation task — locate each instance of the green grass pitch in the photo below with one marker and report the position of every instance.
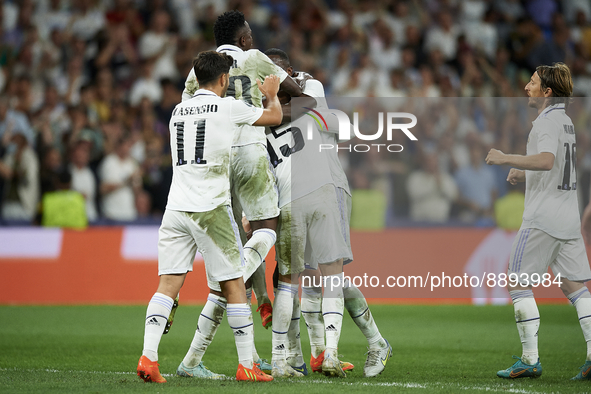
(437, 349)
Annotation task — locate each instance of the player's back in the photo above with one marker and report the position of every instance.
(247, 68)
(201, 135)
(551, 202)
(299, 165)
(315, 89)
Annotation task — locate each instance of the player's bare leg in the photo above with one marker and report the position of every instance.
(332, 313)
(579, 296)
(527, 318)
(157, 315)
(282, 315)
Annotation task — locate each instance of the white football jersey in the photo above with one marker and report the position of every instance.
(248, 66)
(202, 130)
(299, 165)
(550, 196)
(315, 89)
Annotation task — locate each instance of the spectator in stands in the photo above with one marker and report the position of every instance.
(87, 19)
(159, 45)
(83, 180)
(444, 36)
(170, 98)
(477, 186)
(431, 192)
(157, 173)
(51, 167)
(20, 171)
(145, 86)
(120, 180)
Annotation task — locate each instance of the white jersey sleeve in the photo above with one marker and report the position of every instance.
(245, 114)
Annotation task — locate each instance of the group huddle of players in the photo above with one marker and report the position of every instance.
(243, 152)
(229, 169)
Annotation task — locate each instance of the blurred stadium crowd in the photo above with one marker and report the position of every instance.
(87, 87)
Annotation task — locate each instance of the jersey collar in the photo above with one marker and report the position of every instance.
(559, 106)
(228, 47)
(204, 92)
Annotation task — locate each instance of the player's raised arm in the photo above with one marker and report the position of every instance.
(272, 115)
(539, 162)
(291, 86)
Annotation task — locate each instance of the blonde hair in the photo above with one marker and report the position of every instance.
(558, 78)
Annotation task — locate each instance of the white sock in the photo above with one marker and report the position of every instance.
(282, 311)
(312, 312)
(332, 310)
(294, 347)
(257, 247)
(357, 307)
(527, 318)
(255, 354)
(156, 317)
(240, 321)
(581, 299)
(259, 285)
(209, 320)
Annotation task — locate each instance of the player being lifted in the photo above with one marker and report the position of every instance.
(550, 235)
(198, 215)
(309, 220)
(379, 349)
(251, 178)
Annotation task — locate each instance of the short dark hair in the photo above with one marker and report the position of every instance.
(558, 78)
(227, 26)
(280, 54)
(209, 65)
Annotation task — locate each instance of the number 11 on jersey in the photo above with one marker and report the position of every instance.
(199, 142)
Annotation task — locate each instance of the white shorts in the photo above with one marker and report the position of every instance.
(534, 251)
(254, 188)
(214, 234)
(345, 204)
(310, 232)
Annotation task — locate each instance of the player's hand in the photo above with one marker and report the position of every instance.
(495, 156)
(270, 86)
(302, 78)
(246, 227)
(515, 176)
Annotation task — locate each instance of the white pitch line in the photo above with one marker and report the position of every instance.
(317, 381)
(418, 385)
